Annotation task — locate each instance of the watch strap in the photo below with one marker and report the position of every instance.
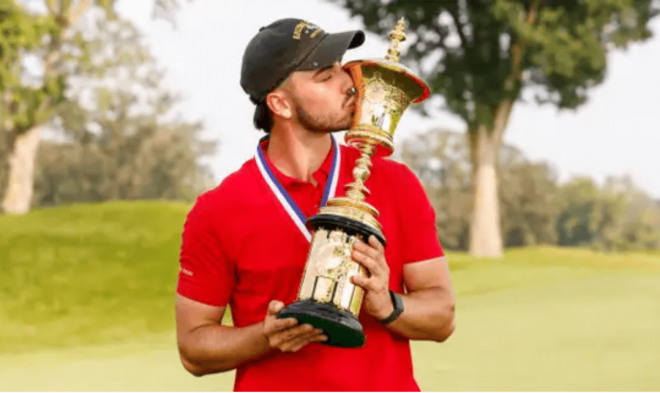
(397, 302)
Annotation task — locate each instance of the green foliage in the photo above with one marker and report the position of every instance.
(115, 154)
(615, 217)
(117, 134)
(439, 159)
(28, 104)
(18, 32)
(574, 222)
(481, 57)
(527, 200)
(535, 208)
(120, 137)
(479, 54)
(527, 190)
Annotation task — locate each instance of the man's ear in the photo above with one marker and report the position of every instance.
(278, 102)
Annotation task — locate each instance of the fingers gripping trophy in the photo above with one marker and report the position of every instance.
(327, 299)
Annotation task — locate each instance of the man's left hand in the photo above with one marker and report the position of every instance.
(377, 300)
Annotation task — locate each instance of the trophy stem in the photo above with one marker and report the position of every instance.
(361, 216)
(357, 191)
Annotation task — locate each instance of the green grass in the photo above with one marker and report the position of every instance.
(598, 333)
(87, 295)
(88, 274)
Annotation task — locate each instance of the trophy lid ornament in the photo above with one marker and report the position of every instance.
(397, 36)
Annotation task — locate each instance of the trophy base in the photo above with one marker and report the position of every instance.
(341, 327)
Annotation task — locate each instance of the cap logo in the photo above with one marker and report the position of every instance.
(311, 29)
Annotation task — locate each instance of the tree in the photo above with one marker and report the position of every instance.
(440, 158)
(30, 98)
(29, 104)
(119, 137)
(442, 161)
(615, 217)
(578, 205)
(118, 154)
(528, 199)
(626, 218)
(536, 209)
(482, 56)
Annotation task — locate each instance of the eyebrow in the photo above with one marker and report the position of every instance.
(322, 70)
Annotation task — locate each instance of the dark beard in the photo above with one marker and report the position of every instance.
(319, 124)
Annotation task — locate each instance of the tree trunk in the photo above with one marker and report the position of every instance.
(485, 232)
(18, 196)
(20, 184)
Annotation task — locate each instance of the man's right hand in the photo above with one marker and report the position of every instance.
(285, 334)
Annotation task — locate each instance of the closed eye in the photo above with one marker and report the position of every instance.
(324, 74)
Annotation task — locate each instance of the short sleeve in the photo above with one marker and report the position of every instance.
(417, 220)
(205, 274)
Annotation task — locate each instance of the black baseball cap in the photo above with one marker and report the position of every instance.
(289, 45)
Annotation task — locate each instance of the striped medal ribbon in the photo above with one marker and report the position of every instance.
(283, 196)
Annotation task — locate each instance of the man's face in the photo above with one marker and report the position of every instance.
(320, 99)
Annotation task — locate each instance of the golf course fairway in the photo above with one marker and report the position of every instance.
(87, 304)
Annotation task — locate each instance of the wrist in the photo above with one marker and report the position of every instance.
(387, 307)
(266, 349)
(386, 310)
(264, 342)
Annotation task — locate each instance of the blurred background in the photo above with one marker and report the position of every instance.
(538, 149)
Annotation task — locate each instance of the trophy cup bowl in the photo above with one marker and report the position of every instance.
(327, 299)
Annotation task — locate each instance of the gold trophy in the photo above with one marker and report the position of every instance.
(327, 299)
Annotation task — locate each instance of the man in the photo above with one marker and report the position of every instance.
(245, 243)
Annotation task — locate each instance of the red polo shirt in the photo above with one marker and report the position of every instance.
(240, 248)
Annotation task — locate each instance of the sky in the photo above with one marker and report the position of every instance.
(616, 132)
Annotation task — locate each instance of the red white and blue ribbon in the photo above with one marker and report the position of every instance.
(283, 196)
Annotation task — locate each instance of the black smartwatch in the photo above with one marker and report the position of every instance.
(398, 309)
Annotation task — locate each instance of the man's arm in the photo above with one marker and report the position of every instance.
(206, 346)
(428, 307)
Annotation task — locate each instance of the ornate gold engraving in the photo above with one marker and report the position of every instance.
(328, 271)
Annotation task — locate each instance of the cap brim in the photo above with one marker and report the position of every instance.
(331, 49)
